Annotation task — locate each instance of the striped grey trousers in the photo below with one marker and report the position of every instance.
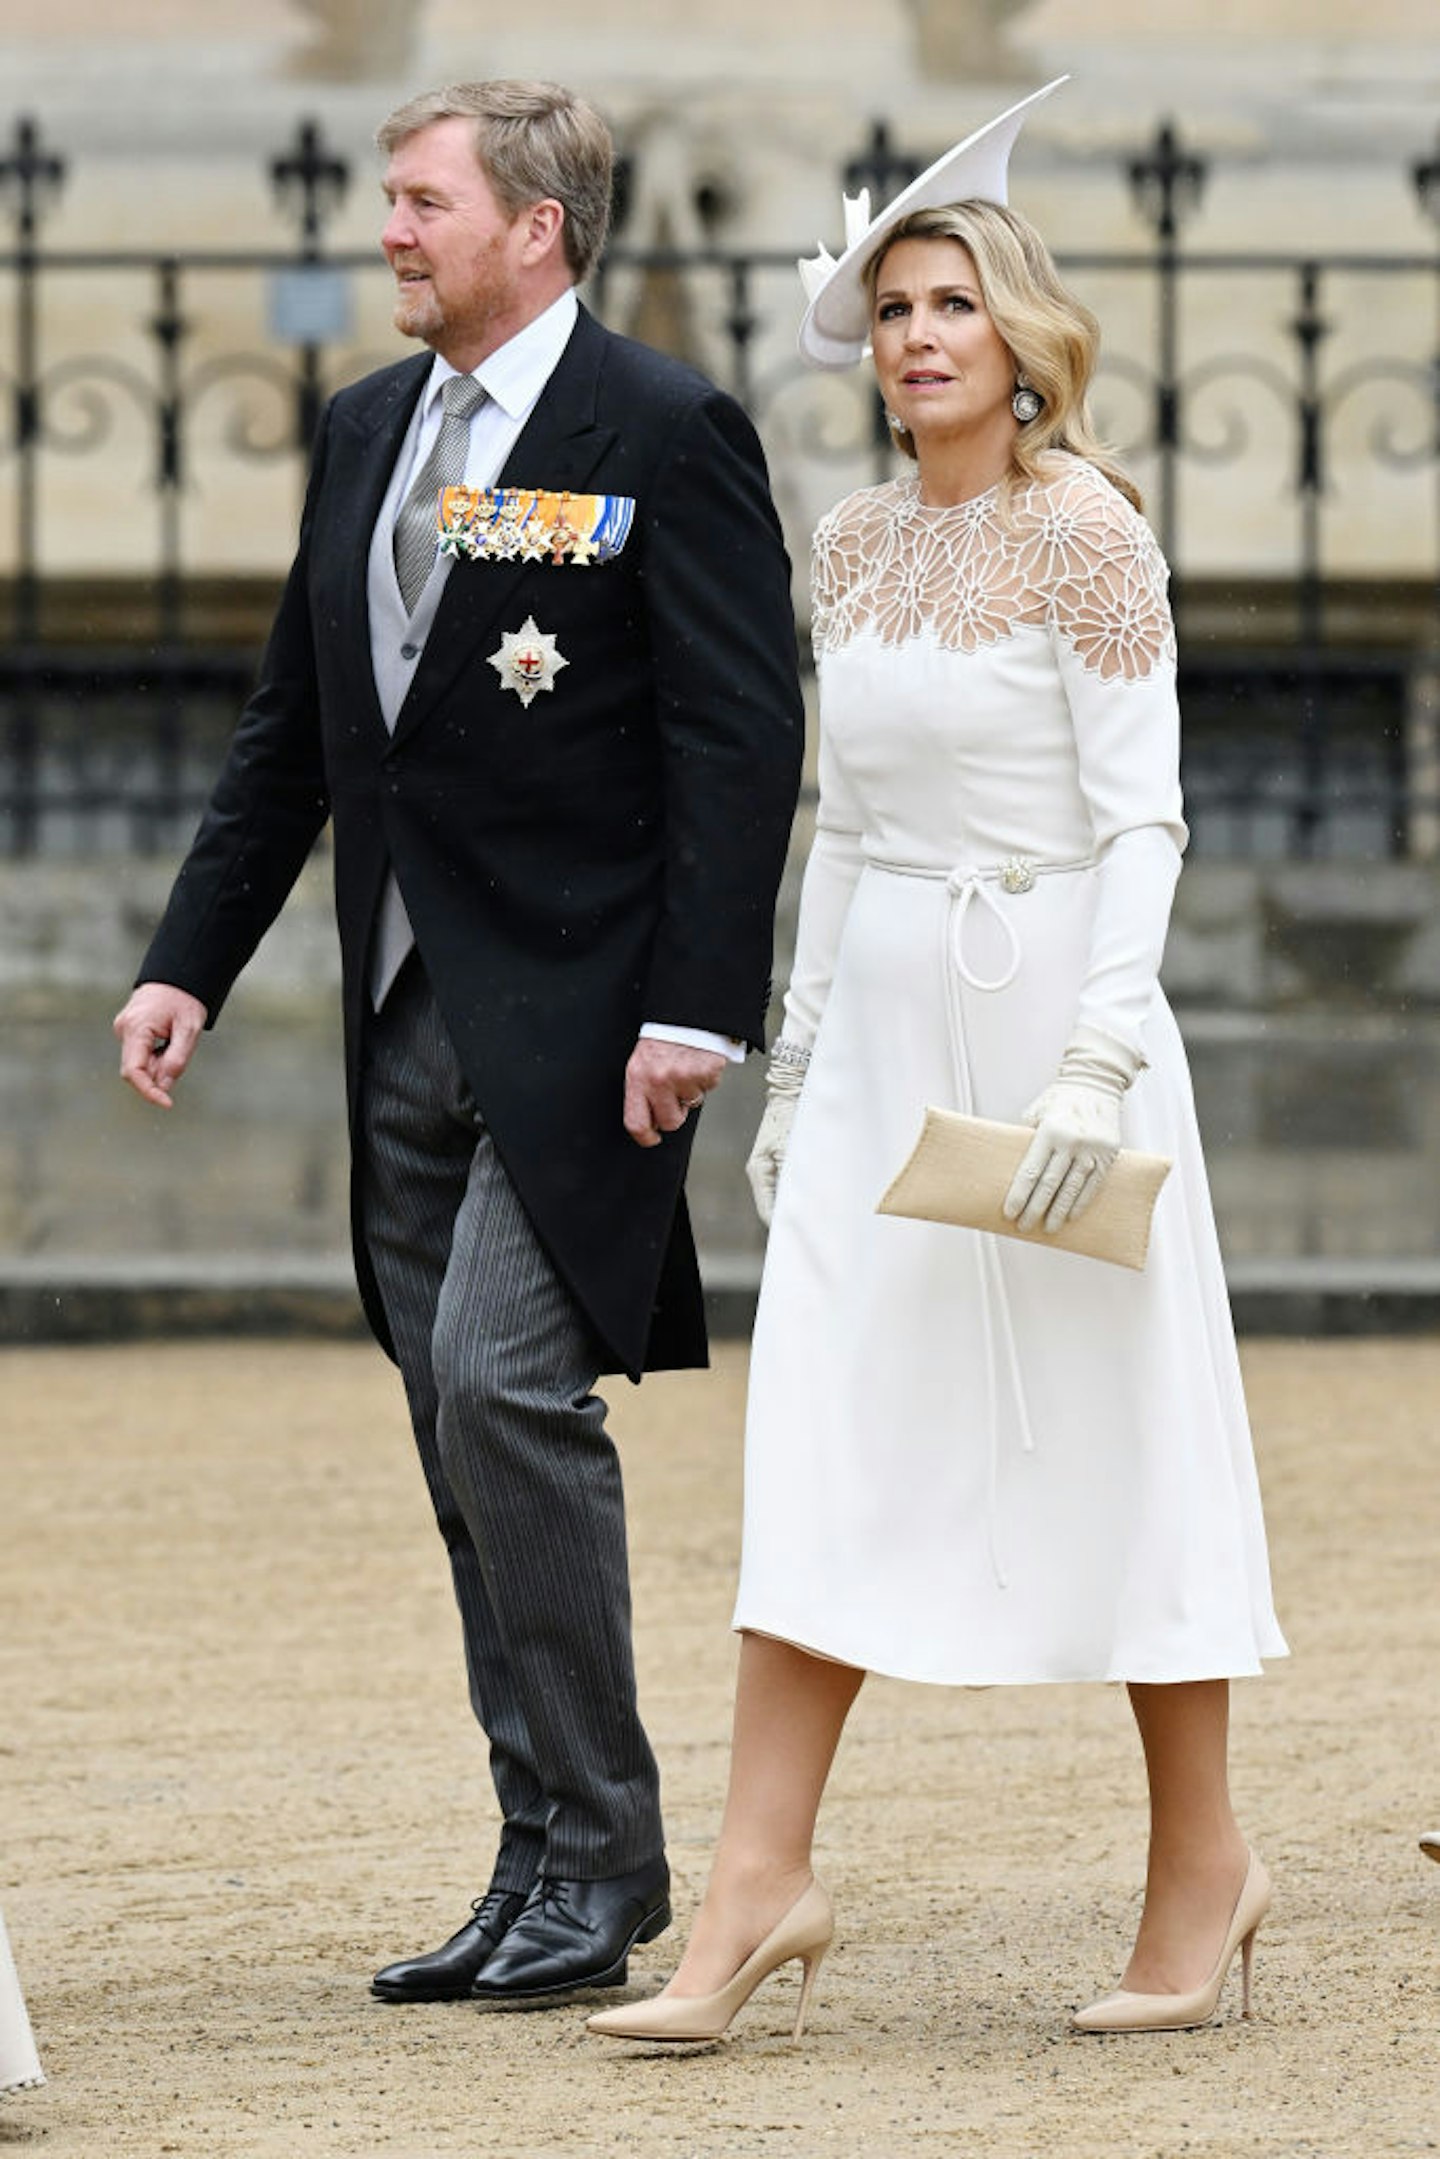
(499, 1366)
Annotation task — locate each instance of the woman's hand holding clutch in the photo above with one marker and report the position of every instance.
(1077, 1133)
(784, 1079)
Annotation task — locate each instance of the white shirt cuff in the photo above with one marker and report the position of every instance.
(696, 1038)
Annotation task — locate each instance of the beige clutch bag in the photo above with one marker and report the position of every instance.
(960, 1169)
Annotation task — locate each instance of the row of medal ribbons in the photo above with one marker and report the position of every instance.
(533, 524)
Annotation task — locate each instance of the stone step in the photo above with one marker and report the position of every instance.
(59, 1300)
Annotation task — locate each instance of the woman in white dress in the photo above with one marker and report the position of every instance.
(972, 1460)
(19, 2063)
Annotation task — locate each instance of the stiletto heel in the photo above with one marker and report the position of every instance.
(1124, 2012)
(1247, 1958)
(805, 1932)
(809, 1967)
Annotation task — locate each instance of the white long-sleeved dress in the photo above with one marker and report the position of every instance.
(19, 2062)
(970, 1460)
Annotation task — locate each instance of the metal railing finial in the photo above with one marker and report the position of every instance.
(310, 178)
(30, 177)
(1167, 182)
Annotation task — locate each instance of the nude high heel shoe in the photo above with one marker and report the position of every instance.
(805, 1932)
(1124, 2012)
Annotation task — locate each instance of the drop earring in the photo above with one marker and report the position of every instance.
(896, 427)
(1025, 401)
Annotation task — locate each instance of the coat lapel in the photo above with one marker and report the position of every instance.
(559, 447)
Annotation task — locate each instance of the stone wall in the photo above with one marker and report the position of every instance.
(1309, 997)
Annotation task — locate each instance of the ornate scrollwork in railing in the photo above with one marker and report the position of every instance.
(76, 416)
(245, 434)
(1289, 415)
(1383, 435)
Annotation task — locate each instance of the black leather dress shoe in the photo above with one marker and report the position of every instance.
(447, 1973)
(576, 1934)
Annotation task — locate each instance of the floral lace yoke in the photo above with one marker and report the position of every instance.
(1067, 553)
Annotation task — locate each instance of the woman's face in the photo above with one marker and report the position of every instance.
(943, 367)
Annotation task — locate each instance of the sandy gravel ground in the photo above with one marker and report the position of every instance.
(237, 1773)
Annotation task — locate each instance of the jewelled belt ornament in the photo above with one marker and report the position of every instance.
(533, 524)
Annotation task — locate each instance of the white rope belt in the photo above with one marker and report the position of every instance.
(967, 887)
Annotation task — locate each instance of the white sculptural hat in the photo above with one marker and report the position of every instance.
(836, 326)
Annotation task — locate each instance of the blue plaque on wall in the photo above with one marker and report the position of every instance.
(309, 304)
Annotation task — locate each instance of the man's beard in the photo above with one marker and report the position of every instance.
(474, 303)
(418, 312)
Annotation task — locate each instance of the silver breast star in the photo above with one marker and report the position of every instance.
(528, 661)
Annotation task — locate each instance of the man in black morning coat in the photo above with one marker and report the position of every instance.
(560, 774)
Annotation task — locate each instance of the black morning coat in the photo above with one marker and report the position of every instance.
(607, 855)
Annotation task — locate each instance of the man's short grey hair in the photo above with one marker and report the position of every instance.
(535, 142)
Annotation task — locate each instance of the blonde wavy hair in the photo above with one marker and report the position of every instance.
(1052, 337)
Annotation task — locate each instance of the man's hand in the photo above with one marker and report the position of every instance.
(158, 1031)
(664, 1081)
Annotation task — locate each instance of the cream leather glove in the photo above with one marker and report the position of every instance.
(784, 1078)
(1077, 1133)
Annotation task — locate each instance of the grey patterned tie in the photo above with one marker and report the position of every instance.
(418, 518)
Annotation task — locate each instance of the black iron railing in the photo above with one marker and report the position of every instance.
(1311, 726)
